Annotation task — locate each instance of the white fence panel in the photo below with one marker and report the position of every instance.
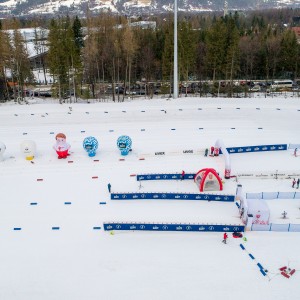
(293, 146)
(295, 227)
(269, 195)
(286, 195)
(297, 195)
(280, 227)
(256, 227)
(253, 195)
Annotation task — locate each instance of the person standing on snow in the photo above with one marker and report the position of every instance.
(182, 175)
(295, 152)
(212, 150)
(225, 237)
(109, 187)
(216, 152)
(298, 181)
(242, 212)
(206, 152)
(293, 183)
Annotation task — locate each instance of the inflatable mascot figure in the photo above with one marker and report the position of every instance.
(124, 144)
(61, 146)
(2, 150)
(28, 149)
(90, 145)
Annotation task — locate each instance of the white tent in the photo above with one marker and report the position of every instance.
(259, 209)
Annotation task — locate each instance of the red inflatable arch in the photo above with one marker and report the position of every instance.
(208, 180)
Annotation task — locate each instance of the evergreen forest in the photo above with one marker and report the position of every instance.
(86, 57)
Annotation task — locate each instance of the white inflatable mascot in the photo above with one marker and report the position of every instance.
(28, 149)
(2, 150)
(61, 146)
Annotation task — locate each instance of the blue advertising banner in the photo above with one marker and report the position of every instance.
(174, 227)
(171, 196)
(163, 176)
(278, 147)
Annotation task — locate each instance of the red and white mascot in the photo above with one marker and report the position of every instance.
(61, 147)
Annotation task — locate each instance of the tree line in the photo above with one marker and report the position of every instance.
(105, 48)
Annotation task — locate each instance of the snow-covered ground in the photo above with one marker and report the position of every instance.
(80, 262)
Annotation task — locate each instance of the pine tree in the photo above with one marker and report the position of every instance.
(216, 49)
(63, 57)
(289, 51)
(168, 53)
(20, 64)
(186, 49)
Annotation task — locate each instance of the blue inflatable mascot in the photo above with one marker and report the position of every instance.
(90, 145)
(124, 144)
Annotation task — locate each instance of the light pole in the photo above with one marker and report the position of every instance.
(175, 83)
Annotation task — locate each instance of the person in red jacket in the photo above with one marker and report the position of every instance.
(182, 175)
(216, 152)
(225, 237)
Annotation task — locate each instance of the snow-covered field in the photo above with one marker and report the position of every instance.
(79, 262)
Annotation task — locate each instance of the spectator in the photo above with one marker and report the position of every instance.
(225, 237)
(206, 152)
(242, 212)
(109, 187)
(182, 175)
(216, 153)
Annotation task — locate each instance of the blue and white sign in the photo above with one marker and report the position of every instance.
(171, 196)
(173, 227)
(163, 177)
(260, 148)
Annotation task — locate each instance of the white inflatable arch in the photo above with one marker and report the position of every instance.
(219, 144)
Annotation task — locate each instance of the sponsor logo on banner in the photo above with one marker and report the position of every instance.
(188, 151)
(159, 153)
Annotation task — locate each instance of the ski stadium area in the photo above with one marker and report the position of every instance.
(156, 232)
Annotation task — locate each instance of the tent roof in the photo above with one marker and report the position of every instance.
(257, 204)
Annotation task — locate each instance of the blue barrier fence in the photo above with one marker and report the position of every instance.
(262, 270)
(259, 148)
(171, 196)
(173, 227)
(273, 195)
(276, 227)
(164, 177)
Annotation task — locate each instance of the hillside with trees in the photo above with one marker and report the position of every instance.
(104, 49)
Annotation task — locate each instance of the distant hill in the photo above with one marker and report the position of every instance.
(132, 8)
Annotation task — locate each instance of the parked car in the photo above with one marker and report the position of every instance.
(255, 88)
